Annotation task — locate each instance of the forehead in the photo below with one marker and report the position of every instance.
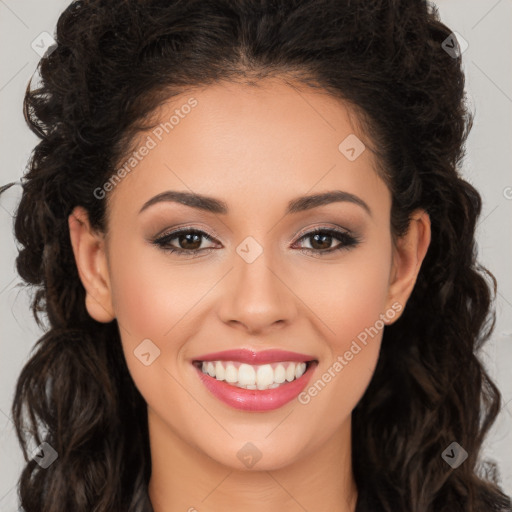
(264, 140)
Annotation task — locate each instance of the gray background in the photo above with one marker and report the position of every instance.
(485, 25)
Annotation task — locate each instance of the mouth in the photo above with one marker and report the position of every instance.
(249, 376)
(255, 381)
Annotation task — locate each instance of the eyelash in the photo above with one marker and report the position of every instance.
(347, 241)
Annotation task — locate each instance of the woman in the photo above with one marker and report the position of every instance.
(247, 228)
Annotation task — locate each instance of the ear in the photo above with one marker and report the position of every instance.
(408, 255)
(91, 261)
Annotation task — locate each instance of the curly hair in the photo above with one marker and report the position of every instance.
(114, 64)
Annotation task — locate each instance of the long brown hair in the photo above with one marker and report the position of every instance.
(115, 62)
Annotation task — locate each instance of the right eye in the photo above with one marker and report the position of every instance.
(189, 242)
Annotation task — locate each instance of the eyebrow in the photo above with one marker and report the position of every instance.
(217, 206)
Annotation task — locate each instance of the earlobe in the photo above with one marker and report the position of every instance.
(408, 256)
(90, 258)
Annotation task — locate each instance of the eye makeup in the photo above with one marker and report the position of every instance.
(195, 237)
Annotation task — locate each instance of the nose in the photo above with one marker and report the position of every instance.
(256, 297)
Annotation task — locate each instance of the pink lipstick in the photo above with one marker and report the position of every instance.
(255, 380)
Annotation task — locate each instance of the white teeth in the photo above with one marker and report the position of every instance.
(231, 373)
(279, 374)
(264, 376)
(290, 373)
(220, 373)
(247, 376)
(300, 369)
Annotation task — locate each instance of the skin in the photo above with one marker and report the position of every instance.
(255, 148)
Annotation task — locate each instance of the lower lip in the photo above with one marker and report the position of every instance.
(253, 399)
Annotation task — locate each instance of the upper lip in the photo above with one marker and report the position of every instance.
(255, 357)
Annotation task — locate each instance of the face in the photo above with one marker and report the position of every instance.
(253, 268)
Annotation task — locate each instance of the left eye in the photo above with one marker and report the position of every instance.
(324, 237)
(190, 241)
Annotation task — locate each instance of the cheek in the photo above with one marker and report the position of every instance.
(152, 294)
(353, 311)
(152, 301)
(158, 299)
(348, 295)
